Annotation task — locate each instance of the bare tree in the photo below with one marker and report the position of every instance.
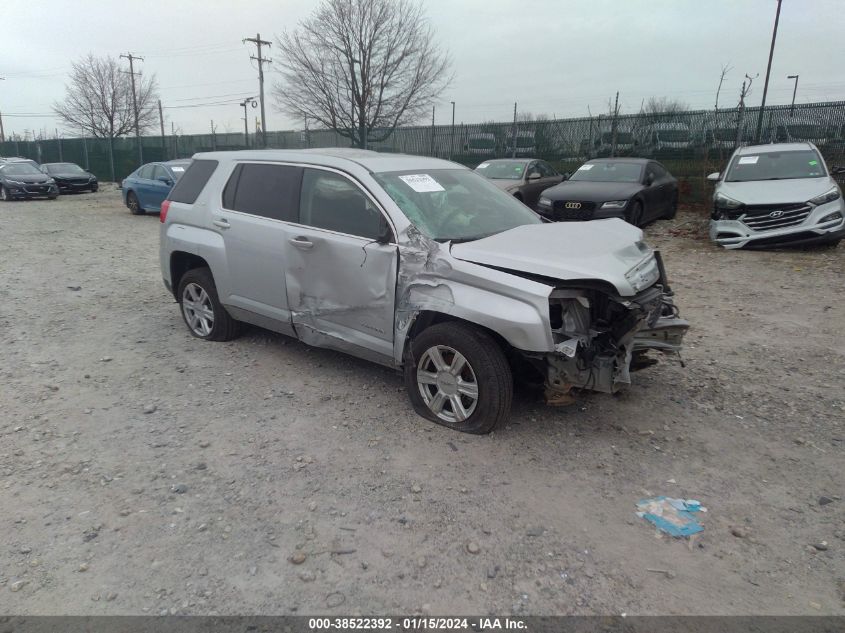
(362, 68)
(98, 99)
(664, 106)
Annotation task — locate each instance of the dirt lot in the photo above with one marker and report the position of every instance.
(145, 471)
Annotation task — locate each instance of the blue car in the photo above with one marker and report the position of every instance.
(147, 187)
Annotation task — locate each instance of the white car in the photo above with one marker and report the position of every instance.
(776, 195)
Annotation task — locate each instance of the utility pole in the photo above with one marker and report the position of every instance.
(452, 142)
(2, 133)
(213, 139)
(431, 153)
(59, 142)
(768, 71)
(132, 74)
(161, 124)
(614, 125)
(791, 108)
(244, 104)
(513, 133)
(261, 61)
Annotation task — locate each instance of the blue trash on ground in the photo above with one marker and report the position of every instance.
(675, 517)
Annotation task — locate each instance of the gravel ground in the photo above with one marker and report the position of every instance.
(145, 471)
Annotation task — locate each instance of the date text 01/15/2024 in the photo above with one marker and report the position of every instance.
(416, 623)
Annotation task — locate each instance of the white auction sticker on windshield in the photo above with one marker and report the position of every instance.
(178, 168)
(748, 160)
(483, 166)
(585, 167)
(422, 183)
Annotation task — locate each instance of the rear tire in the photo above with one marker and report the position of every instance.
(457, 375)
(133, 204)
(4, 195)
(201, 309)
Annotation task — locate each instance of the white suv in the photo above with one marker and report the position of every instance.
(776, 195)
(416, 263)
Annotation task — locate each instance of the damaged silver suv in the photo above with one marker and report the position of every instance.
(418, 264)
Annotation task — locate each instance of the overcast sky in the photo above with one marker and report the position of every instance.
(555, 57)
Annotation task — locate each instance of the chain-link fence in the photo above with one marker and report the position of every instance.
(690, 143)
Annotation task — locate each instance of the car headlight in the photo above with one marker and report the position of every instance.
(545, 202)
(643, 274)
(724, 202)
(827, 196)
(51, 182)
(615, 204)
(16, 183)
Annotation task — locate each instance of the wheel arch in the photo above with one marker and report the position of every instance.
(180, 263)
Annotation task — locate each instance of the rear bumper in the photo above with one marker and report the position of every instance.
(736, 234)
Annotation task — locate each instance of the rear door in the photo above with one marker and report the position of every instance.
(251, 218)
(159, 186)
(341, 283)
(143, 186)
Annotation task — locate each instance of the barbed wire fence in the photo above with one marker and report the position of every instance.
(689, 143)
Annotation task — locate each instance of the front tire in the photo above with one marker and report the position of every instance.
(457, 375)
(133, 204)
(673, 209)
(4, 195)
(201, 309)
(635, 215)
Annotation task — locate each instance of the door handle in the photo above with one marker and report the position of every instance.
(222, 223)
(302, 243)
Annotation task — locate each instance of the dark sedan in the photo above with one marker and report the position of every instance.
(70, 177)
(523, 178)
(638, 190)
(22, 180)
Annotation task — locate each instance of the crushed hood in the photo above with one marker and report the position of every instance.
(597, 250)
(790, 191)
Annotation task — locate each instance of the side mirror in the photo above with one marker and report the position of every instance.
(384, 233)
(838, 170)
(714, 177)
(649, 180)
(165, 180)
(534, 176)
(566, 175)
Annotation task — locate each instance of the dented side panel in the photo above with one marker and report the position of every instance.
(341, 292)
(430, 279)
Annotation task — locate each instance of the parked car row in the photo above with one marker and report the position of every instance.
(637, 190)
(770, 195)
(23, 178)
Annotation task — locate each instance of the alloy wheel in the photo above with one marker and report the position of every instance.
(447, 383)
(198, 310)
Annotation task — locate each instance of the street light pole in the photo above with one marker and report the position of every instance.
(794, 91)
(768, 71)
(452, 142)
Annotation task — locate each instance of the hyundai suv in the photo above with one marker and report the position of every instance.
(418, 264)
(776, 195)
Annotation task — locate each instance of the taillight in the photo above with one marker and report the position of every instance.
(164, 207)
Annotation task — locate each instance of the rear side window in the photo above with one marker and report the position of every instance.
(271, 191)
(190, 185)
(146, 172)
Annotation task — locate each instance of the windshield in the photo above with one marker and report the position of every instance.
(454, 204)
(673, 136)
(482, 143)
(502, 170)
(608, 172)
(65, 168)
(20, 169)
(776, 166)
(622, 138)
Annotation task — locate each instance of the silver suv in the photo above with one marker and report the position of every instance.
(776, 195)
(418, 264)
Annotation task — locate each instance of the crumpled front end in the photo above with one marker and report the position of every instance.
(596, 335)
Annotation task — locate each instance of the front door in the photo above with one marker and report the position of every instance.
(341, 283)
